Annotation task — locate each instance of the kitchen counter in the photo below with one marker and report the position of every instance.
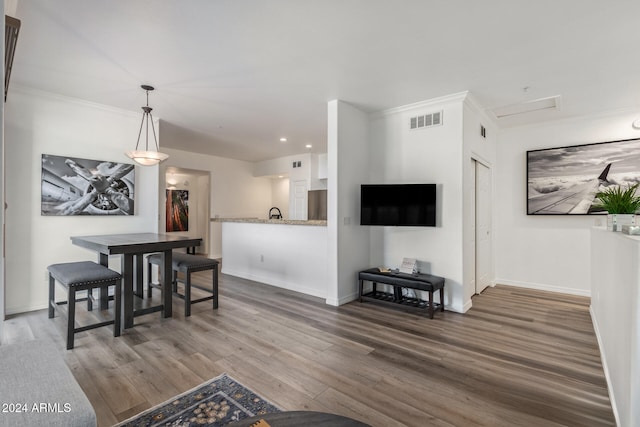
(315, 222)
(615, 312)
(277, 252)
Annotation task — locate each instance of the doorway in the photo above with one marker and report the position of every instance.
(194, 191)
(299, 200)
(483, 231)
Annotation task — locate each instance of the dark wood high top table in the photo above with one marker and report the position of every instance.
(132, 247)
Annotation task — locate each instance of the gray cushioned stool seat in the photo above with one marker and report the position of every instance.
(84, 276)
(423, 282)
(187, 264)
(34, 373)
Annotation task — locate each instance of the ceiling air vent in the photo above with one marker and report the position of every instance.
(428, 120)
(11, 30)
(551, 103)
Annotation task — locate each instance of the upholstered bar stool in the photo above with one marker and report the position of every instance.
(83, 276)
(186, 264)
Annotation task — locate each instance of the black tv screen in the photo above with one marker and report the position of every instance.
(398, 204)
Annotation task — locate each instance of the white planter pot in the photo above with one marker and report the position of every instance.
(616, 221)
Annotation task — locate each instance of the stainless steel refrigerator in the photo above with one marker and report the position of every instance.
(317, 204)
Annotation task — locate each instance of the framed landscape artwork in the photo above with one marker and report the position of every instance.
(177, 210)
(73, 186)
(566, 180)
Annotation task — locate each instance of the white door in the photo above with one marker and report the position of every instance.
(483, 226)
(299, 200)
(472, 243)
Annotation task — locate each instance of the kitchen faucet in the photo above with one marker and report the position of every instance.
(277, 215)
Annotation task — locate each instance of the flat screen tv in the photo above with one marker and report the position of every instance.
(398, 204)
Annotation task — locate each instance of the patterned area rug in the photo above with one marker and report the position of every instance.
(214, 403)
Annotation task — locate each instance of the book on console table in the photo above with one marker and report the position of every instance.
(409, 266)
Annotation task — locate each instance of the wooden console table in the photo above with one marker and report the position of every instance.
(424, 282)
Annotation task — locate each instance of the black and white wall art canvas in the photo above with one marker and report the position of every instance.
(73, 186)
(566, 180)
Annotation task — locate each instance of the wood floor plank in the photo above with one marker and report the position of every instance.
(202, 365)
(116, 390)
(86, 380)
(290, 373)
(153, 387)
(519, 357)
(346, 405)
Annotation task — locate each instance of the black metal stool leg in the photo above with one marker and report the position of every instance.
(117, 309)
(52, 296)
(187, 294)
(149, 277)
(84, 276)
(71, 316)
(215, 287)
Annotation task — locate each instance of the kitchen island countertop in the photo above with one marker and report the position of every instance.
(272, 221)
(277, 253)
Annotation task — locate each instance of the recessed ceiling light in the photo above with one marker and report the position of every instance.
(636, 124)
(283, 139)
(308, 146)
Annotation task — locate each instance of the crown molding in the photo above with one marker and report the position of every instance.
(456, 97)
(29, 91)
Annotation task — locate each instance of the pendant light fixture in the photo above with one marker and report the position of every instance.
(146, 157)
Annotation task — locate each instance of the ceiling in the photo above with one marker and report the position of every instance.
(234, 76)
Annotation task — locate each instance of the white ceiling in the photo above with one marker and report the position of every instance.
(233, 76)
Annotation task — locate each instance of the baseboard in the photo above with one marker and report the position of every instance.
(467, 305)
(605, 367)
(278, 283)
(10, 311)
(544, 287)
(344, 300)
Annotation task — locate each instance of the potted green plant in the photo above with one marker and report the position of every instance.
(620, 204)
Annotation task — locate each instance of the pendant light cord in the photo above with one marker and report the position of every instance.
(147, 114)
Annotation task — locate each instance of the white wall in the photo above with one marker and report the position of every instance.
(483, 150)
(615, 310)
(428, 155)
(202, 218)
(311, 166)
(280, 195)
(348, 149)
(281, 165)
(288, 256)
(318, 172)
(235, 191)
(546, 252)
(38, 123)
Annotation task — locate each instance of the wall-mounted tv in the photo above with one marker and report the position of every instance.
(398, 204)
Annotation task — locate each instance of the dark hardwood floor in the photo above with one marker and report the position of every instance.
(518, 358)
